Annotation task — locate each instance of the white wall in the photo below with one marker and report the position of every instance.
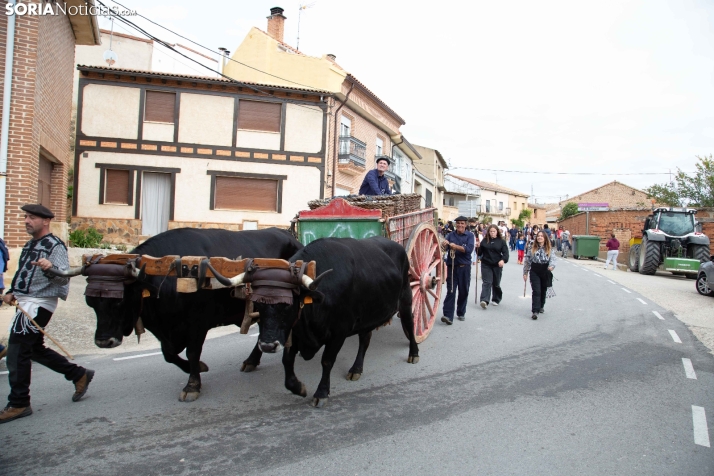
(303, 128)
(206, 119)
(110, 111)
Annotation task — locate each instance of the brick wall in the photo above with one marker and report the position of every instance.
(705, 216)
(40, 111)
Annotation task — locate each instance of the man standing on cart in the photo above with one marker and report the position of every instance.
(375, 183)
(459, 244)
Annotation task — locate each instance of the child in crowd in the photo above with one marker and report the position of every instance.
(520, 247)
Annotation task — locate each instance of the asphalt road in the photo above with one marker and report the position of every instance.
(597, 385)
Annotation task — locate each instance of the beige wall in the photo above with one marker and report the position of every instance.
(303, 128)
(110, 111)
(193, 186)
(131, 54)
(206, 119)
(258, 140)
(158, 131)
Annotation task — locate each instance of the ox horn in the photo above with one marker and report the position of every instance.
(312, 284)
(70, 273)
(229, 282)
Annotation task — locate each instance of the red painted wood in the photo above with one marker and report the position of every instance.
(339, 208)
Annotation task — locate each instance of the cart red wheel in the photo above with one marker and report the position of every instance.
(425, 277)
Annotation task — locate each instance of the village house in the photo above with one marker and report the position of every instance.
(460, 198)
(157, 151)
(360, 126)
(432, 167)
(498, 202)
(35, 155)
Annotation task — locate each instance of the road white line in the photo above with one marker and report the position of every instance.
(611, 282)
(675, 337)
(701, 432)
(137, 356)
(4, 373)
(659, 316)
(689, 368)
(626, 290)
(584, 269)
(598, 275)
(641, 300)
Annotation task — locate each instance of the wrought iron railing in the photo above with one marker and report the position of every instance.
(352, 150)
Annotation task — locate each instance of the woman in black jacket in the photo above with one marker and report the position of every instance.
(494, 254)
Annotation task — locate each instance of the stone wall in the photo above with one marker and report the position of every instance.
(128, 232)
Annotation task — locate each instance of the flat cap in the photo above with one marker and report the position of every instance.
(461, 218)
(382, 157)
(38, 210)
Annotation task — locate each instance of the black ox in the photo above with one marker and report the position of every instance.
(181, 321)
(367, 284)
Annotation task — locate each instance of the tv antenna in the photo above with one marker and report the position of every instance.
(109, 56)
(302, 7)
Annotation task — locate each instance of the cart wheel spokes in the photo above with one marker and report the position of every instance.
(425, 276)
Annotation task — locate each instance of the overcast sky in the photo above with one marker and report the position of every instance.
(552, 86)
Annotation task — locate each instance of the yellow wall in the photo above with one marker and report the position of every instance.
(193, 187)
(206, 119)
(263, 52)
(110, 111)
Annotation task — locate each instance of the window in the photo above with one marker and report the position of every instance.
(380, 147)
(259, 116)
(116, 187)
(345, 126)
(44, 182)
(451, 201)
(159, 107)
(244, 191)
(488, 206)
(515, 206)
(500, 206)
(427, 199)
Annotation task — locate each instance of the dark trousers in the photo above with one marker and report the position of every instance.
(462, 282)
(538, 275)
(512, 243)
(22, 349)
(491, 276)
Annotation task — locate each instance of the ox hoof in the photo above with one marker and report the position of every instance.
(319, 402)
(246, 367)
(189, 396)
(353, 376)
(413, 359)
(202, 367)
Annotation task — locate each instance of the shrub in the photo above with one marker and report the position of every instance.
(89, 238)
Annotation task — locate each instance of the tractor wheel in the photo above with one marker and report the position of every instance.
(700, 252)
(650, 256)
(634, 258)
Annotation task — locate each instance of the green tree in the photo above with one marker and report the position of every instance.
(693, 190)
(522, 217)
(570, 209)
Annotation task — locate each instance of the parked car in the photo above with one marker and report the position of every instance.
(705, 279)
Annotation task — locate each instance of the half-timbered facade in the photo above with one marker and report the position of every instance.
(158, 151)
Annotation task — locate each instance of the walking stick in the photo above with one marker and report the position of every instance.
(524, 287)
(43, 331)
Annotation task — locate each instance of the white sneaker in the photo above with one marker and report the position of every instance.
(484, 304)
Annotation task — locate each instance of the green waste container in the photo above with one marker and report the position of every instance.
(586, 246)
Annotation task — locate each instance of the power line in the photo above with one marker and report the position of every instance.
(170, 47)
(213, 51)
(558, 173)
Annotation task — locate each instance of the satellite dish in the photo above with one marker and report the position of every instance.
(110, 57)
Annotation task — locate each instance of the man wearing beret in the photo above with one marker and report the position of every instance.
(459, 245)
(375, 183)
(37, 292)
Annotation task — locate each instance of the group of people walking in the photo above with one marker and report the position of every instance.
(464, 247)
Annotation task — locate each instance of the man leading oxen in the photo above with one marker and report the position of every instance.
(360, 284)
(120, 297)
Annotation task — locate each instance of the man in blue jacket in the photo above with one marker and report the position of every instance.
(375, 183)
(460, 243)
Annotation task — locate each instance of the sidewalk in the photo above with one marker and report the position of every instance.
(675, 293)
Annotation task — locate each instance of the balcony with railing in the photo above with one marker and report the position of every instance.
(351, 159)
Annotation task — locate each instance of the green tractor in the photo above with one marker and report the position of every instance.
(671, 241)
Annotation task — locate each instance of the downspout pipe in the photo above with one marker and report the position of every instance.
(337, 141)
(5, 124)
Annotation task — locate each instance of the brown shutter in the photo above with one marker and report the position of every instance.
(44, 187)
(235, 193)
(159, 107)
(259, 116)
(117, 187)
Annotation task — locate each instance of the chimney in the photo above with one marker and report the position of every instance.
(331, 57)
(276, 23)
